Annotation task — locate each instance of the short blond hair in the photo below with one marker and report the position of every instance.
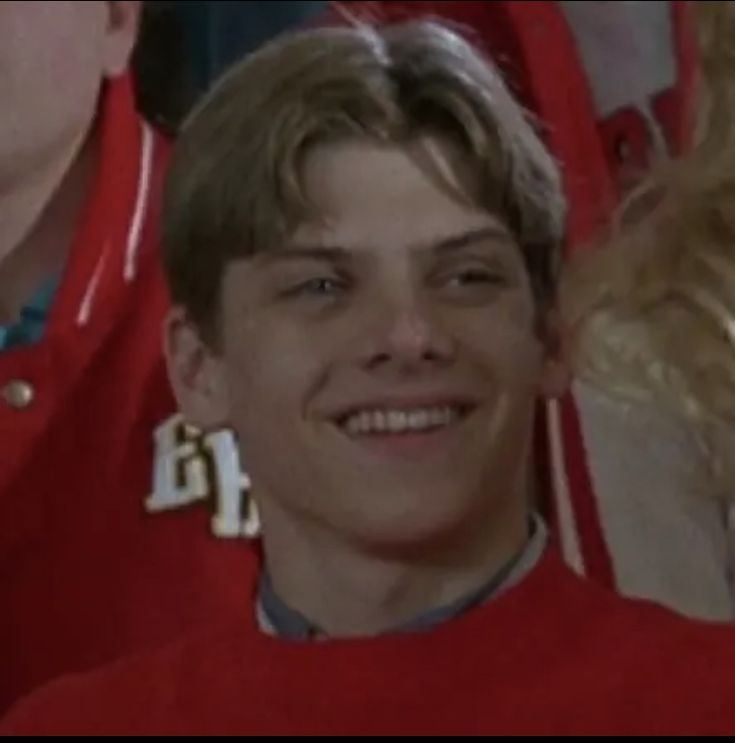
(235, 186)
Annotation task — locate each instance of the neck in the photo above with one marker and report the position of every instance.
(39, 210)
(347, 591)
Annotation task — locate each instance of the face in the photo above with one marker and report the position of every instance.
(53, 58)
(382, 367)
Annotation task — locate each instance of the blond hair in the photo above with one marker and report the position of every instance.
(653, 311)
(235, 186)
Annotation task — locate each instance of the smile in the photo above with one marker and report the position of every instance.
(397, 421)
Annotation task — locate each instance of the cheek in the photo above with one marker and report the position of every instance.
(504, 343)
(52, 59)
(272, 372)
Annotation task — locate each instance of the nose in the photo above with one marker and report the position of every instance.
(406, 334)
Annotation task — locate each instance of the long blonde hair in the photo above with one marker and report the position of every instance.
(653, 310)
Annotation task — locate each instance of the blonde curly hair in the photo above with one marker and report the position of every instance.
(652, 311)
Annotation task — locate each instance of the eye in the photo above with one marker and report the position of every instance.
(474, 276)
(471, 275)
(319, 287)
(471, 281)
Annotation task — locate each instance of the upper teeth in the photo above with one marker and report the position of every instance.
(397, 421)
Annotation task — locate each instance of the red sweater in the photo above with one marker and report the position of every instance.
(553, 656)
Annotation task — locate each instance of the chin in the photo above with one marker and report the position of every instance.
(414, 525)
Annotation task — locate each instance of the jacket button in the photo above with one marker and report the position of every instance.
(18, 394)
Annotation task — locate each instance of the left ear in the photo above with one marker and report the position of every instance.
(195, 372)
(556, 376)
(122, 32)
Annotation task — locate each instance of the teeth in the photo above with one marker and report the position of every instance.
(377, 421)
(437, 417)
(418, 419)
(441, 417)
(366, 422)
(352, 425)
(399, 421)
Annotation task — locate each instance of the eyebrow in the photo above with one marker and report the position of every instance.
(338, 254)
(467, 239)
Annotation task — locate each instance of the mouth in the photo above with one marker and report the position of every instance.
(404, 428)
(399, 421)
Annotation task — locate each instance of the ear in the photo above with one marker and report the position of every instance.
(122, 31)
(556, 376)
(196, 373)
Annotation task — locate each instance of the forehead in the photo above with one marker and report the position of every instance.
(370, 194)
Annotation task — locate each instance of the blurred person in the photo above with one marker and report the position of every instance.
(88, 571)
(651, 314)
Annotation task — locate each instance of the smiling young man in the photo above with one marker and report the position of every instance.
(364, 271)
(614, 87)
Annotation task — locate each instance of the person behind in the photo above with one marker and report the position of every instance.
(651, 314)
(90, 571)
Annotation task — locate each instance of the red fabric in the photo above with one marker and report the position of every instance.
(679, 108)
(553, 656)
(559, 95)
(85, 574)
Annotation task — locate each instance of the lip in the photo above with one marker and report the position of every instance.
(464, 403)
(407, 445)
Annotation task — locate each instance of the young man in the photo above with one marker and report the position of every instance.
(613, 87)
(88, 573)
(364, 274)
